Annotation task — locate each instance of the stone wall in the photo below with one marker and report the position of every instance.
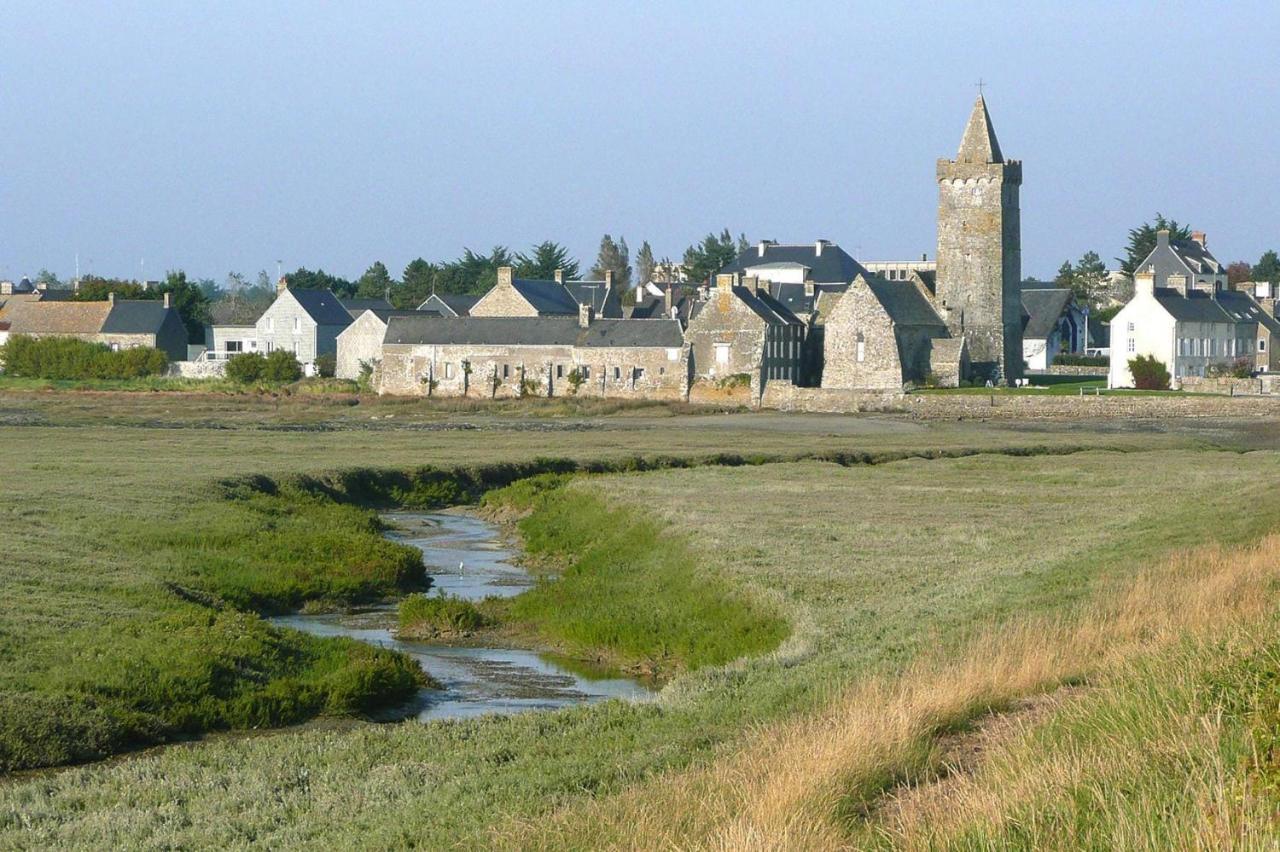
(784, 396)
(510, 371)
(1071, 370)
(860, 346)
(358, 343)
(503, 300)
(197, 369)
(1030, 406)
(1224, 385)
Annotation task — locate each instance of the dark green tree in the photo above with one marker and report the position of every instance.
(645, 264)
(376, 283)
(1142, 240)
(613, 257)
(704, 259)
(189, 300)
(543, 261)
(1089, 280)
(1267, 268)
(305, 279)
(415, 284)
(1066, 276)
(48, 279)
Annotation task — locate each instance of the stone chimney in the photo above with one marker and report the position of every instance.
(585, 314)
(924, 257)
(608, 279)
(668, 299)
(1199, 237)
(167, 302)
(809, 289)
(726, 281)
(1144, 283)
(1162, 237)
(752, 284)
(282, 285)
(504, 276)
(559, 276)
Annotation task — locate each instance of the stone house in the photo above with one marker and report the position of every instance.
(1265, 294)
(531, 297)
(449, 304)
(880, 335)
(1184, 265)
(361, 342)
(1054, 324)
(740, 330)
(1191, 329)
(304, 322)
(489, 357)
(119, 323)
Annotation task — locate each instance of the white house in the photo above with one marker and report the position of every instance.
(304, 322)
(1054, 324)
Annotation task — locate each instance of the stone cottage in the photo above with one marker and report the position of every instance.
(361, 342)
(304, 322)
(740, 330)
(879, 335)
(529, 297)
(488, 357)
(119, 323)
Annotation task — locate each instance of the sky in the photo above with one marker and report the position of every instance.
(218, 137)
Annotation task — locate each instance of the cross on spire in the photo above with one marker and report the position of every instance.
(981, 85)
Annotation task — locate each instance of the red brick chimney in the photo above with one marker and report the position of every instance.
(1199, 237)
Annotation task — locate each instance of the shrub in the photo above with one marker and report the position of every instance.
(1237, 369)
(364, 382)
(1066, 360)
(326, 365)
(421, 615)
(575, 380)
(1149, 373)
(68, 358)
(245, 368)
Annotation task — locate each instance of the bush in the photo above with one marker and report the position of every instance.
(1237, 369)
(1065, 360)
(1149, 373)
(421, 615)
(279, 367)
(326, 365)
(68, 358)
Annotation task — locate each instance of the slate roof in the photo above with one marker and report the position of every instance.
(649, 306)
(979, 143)
(547, 297)
(355, 307)
(1194, 307)
(56, 317)
(532, 331)
(833, 266)
(903, 301)
(766, 307)
(322, 306)
(1044, 308)
(449, 304)
(1244, 308)
(135, 316)
(1196, 256)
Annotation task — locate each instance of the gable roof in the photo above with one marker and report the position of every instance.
(355, 307)
(979, 144)
(322, 306)
(454, 304)
(1196, 256)
(42, 317)
(136, 316)
(1244, 308)
(1193, 307)
(833, 266)
(766, 307)
(532, 331)
(903, 302)
(1044, 308)
(546, 297)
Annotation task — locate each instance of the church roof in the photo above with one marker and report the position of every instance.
(903, 302)
(979, 144)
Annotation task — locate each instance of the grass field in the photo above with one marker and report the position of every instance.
(863, 573)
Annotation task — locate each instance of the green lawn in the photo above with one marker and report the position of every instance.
(867, 566)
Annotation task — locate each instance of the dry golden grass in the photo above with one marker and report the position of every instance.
(811, 783)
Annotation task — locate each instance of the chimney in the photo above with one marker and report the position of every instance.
(282, 285)
(559, 276)
(725, 282)
(167, 302)
(668, 299)
(608, 279)
(763, 245)
(504, 276)
(1162, 237)
(752, 284)
(111, 297)
(1199, 237)
(1144, 283)
(809, 289)
(585, 315)
(817, 247)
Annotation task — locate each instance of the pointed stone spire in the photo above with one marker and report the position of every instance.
(979, 144)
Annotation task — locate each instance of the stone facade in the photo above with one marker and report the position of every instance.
(503, 300)
(979, 250)
(360, 343)
(741, 331)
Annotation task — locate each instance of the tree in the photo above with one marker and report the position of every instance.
(1238, 271)
(645, 264)
(305, 279)
(48, 279)
(1065, 277)
(189, 300)
(1267, 268)
(704, 259)
(415, 284)
(376, 283)
(613, 257)
(1149, 373)
(543, 261)
(1142, 241)
(1089, 280)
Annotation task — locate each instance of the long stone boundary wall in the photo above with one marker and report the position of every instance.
(784, 396)
(1019, 407)
(1227, 385)
(197, 369)
(1071, 370)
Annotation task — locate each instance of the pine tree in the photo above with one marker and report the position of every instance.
(544, 260)
(613, 257)
(376, 283)
(1267, 268)
(704, 259)
(415, 284)
(1089, 280)
(1142, 241)
(645, 264)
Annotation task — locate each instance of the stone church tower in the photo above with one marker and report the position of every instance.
(980, 250)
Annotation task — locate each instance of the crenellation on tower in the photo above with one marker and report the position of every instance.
(980, 249)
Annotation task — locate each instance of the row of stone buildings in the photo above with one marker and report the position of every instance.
(118, 323)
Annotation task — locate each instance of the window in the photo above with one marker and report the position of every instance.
(662, 371)
(1262, 344)
(862, 348)
(639, 374)
(617, 373)
(1133, 347)
(559, 371)
(235, 346)
(722, 353)
(506, 371)
(297, 325)
(585, 371)
(271, 323)
(673, 354)
(448, 370)
(1131, 326)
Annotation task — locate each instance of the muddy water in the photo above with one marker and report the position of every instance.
(466, 558)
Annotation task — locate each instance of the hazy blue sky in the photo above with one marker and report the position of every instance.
(225, 136)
